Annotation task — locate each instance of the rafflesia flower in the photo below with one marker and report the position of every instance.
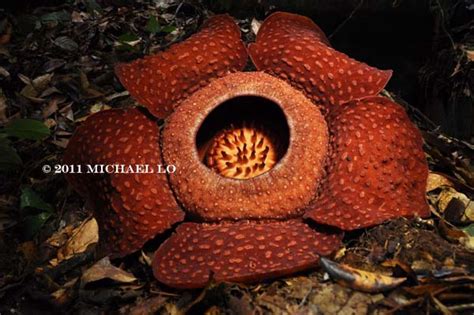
(265, 160)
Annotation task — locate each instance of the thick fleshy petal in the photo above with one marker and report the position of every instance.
(285, 23)
(239, 252)
(291, 47)
(160, 82)
(131, 208)
(377, 169)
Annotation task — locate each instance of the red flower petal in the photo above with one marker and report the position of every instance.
(286, 23)
(130, 208)
(292, 47)
(377, 169)
(240, 252)
(161, 81)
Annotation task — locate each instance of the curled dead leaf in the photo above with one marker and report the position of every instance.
(81, 237)
(34, 88)
(103, 269)
(360, 280)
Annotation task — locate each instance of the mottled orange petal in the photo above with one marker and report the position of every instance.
(131, 208)
(239, 252)
(285, 23)
(377, 169)
(292, 47)
(160, 82)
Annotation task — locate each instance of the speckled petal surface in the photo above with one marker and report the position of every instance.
(377, 168)
(239, 252)
(292, 47)
(130, 208)
(160, 82)
(287, 23)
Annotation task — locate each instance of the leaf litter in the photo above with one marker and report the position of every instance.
(56, 68)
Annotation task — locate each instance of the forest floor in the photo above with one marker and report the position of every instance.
(56, 68)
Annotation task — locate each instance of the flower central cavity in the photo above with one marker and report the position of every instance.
(243, 137)
(241, 153)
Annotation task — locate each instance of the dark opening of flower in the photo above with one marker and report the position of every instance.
(255, 154)
(244, 137)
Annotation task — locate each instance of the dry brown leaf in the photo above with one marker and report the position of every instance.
(360, 280)
(340, 253)
(255, 25)
(94, 109)
(4, 73)
(30, 92)
(436, 180)
(41, 83)
(50, 108)
(447, 196)
(60, 237)
(99, 107)
(49, 91)
(50, 123)
(34, 88)
(103, 269)
(440, 306)
(67, 112)
(77, 17)
(85, 84)
(422, 266)
(470, 54)
(61, 295)
(146, 259)
(82, 236)
(116, 95)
